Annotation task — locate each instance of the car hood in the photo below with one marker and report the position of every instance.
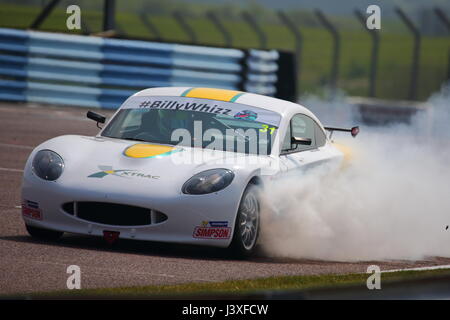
(107, 161)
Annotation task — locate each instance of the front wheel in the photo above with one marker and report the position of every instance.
(43, 234)
(246, 229)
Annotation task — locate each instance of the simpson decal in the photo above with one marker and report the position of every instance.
(212, 230)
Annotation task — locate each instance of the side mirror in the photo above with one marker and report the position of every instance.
(302, 141)
(354, 131)
(96, 117)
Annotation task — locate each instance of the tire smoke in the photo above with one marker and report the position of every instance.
(391, 203)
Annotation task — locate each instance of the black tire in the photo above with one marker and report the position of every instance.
(247, 226)
(43, 234)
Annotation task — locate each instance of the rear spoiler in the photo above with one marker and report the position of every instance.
(354, 130)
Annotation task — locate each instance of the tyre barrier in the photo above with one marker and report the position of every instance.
(99, 72)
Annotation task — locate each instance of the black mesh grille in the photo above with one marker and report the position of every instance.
(113, 213)
(68, 207)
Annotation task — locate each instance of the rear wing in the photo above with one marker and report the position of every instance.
(354, 130)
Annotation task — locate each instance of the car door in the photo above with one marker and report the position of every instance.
(303, 157)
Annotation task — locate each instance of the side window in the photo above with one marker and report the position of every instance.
(287, 140)
(321, 138)
(301, 126)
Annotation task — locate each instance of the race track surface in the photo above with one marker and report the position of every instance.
(28, 265)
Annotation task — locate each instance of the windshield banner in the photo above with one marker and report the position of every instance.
(221, 108)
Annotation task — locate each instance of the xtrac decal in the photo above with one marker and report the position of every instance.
(108, 170)
(212, 230)
(30, 209)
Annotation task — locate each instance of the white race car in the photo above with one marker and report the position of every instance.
(182, 165)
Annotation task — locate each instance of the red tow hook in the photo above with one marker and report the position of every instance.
(111, 236)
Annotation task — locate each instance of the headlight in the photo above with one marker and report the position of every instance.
(48, 165)
(208, 181)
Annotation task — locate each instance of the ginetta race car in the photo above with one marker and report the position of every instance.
(182, 165)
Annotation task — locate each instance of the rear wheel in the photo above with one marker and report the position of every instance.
(44, 234)
(246, 229)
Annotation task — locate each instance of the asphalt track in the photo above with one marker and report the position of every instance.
(28, 265)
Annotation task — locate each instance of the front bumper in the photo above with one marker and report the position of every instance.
(186, 213)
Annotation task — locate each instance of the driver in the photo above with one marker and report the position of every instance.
(158, 124)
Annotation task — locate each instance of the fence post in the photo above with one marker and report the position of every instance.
(412, 95)
(255, 26)
(298, 44)
(374, 55)
(444, 19)
(218, 24)
(336, 49)
(44, 14)
(179, 17)
(86, 30)
(109, 12)
(150, 26)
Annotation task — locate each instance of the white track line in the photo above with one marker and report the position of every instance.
(16, 146)
(105, 271)
(419, 268)
(11, 170)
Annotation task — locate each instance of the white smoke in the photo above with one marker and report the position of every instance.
(393, 202)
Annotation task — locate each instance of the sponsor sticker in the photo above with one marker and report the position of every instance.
(220, 108)
(246, 115)
(212, 230)
(108, 170)
(173, 104)
(30, 209)
(218, 223)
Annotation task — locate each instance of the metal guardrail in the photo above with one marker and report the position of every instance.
(381, 112)
(97, 72)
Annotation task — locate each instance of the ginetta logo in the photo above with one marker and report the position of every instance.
(108, 170)
(212, 230)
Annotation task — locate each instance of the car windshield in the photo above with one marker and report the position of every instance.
(193, 122)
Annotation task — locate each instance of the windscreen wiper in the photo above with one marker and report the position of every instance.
(133, 139)
(127, 138)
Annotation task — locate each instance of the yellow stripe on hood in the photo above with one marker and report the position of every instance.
(213, 94)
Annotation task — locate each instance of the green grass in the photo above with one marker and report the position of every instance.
(241, 286)
(394, 62)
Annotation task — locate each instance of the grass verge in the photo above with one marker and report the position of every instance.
(237, 286)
